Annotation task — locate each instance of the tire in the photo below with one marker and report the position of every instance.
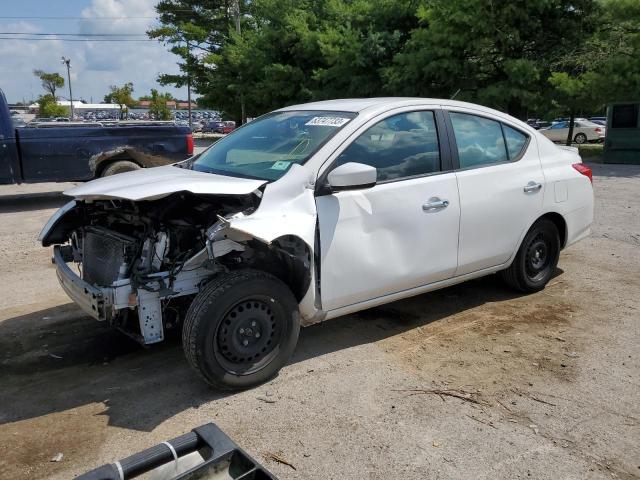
(241, 329)
(120, 166)
(536, 260)
(580, 138)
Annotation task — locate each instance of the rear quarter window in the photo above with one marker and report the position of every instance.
(516, 142)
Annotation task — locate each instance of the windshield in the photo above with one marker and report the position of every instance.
(267, 147)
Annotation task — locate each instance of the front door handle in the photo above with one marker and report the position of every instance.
(532, 187)
(435, 204)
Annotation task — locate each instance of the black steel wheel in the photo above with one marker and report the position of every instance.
(248, 336)
(241, 329)
(537, 258)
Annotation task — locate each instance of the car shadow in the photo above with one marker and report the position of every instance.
(25, 202)
(614, 169)
(57, 359)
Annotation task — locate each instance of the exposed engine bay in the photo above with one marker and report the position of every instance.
(146, 259)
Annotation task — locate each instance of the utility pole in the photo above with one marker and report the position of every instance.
(243, 117)
(67, 62)
(189, 84)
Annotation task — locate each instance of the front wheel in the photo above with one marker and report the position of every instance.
(536, 260)
(241, 329)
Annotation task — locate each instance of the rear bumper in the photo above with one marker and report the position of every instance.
(89, 298)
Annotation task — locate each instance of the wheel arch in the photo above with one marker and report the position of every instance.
(104, 163)
(559, 222)
(287, 258)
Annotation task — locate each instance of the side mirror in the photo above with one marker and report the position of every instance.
(352, 176)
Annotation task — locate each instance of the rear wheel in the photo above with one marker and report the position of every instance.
(241, 329)
(536, 260)
(580, 138)
(120, 166)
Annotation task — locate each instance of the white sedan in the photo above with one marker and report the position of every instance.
(312, 212)
(583, 131)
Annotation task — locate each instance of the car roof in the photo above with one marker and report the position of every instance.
(373, 106)
(361, 104)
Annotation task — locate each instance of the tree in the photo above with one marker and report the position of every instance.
(158, 106)
(603, 68)
(494, 53)
(49, 107)
(193, 29)
(121, 96)
(50, 81)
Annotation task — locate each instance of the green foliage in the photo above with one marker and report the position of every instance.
(525, 57)
(121, 96)
(158, 106)
(48, 107)
(50, 81)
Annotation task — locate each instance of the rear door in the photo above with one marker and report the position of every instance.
(401, 233)
(501, 187)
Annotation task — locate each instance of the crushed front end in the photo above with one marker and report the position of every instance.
(137, 264)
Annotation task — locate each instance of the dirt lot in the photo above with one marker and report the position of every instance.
(550, 382)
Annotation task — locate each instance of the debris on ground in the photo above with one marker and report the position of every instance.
(531, 397)
(490, 424)
(277, 457)
(57, 457)
(534, 428)
(57, 357)
(266, 400)
(455, 393)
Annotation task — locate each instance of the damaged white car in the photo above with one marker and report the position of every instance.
(312, 212)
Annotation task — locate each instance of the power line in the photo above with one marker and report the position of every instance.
(133, 17)
(78, 34)
(72, 18)
(78, 39)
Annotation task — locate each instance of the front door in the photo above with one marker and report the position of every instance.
(399, 234)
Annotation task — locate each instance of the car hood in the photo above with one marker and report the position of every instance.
(158, 182)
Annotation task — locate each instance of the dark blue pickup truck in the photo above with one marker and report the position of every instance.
(63, 152)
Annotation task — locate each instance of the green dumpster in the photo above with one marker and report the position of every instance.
(622, 142)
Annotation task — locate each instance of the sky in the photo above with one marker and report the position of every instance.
(94, 65)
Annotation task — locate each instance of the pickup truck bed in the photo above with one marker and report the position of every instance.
(58, 152)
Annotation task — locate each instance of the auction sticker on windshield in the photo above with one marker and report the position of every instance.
(328, 121)
(280, 165)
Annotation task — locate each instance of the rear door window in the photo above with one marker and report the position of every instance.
(479, 140)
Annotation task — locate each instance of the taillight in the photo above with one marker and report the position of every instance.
(598, 130)
(189, 144)
(584, 170)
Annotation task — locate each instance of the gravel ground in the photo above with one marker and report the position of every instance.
(550, 382)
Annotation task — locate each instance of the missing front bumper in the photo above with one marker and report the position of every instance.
(89, 298)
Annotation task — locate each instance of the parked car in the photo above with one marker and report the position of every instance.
(214, 126)
(537, 123)
(583, 131)
(312, 212)
(75, 151)
(228, 127)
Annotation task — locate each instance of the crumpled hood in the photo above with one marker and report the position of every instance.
(158, 182)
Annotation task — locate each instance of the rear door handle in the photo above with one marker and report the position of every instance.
(532, 187)
(435, 204)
